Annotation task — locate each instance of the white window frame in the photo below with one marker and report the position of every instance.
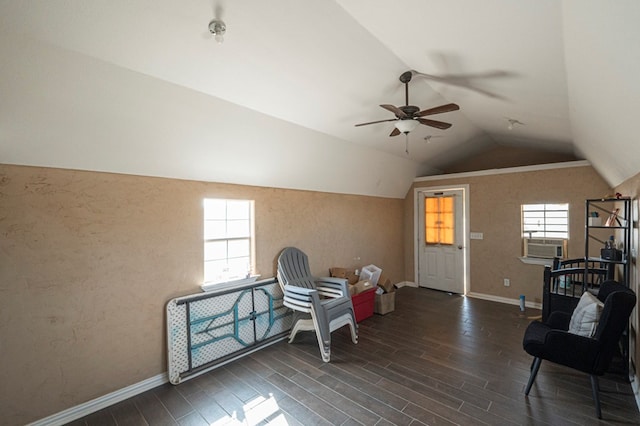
(228, 223)
(551, 216)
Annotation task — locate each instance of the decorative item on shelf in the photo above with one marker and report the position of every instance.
(610, 250)
(611, 254)
(594, 219)
(613, 219)
(617, 196)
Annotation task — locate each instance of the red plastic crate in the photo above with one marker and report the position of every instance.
(363, 304)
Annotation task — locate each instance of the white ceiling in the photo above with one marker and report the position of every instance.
(139, 86)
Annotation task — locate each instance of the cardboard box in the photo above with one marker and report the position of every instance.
(338, 272)
(360, 287)
(385, 303)
(352, 277)
(363, 304)
(385, 284)
(349, 274)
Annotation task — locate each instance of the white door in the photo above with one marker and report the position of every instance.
(441, 240)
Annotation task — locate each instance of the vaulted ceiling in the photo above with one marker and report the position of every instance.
(141, 87)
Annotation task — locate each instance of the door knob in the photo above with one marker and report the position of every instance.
(459, 247)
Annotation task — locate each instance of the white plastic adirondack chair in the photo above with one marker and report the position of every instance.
(319, 304)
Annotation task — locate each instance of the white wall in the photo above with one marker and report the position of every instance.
(62, 109)
(601, 53)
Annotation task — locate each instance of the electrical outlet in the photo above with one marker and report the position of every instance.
(507, 283)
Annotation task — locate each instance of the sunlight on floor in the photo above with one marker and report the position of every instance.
(261, 409)
(257, 411)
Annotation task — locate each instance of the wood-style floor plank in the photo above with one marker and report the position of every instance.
(438, 359)
(152, 409)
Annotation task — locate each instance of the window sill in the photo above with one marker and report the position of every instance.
(536, 261)
(229, 284)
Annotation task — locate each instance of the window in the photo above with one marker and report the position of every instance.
(228, 240)
(439, 220)
(545, 221)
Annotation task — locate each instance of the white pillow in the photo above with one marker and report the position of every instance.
(584, 320)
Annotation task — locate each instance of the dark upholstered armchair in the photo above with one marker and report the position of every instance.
(553, 342)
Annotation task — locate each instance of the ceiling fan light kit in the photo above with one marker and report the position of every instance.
(406, 126)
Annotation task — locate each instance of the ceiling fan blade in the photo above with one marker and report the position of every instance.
(446, 78)
(433, 123)
(395, 132)
(438, 110)
(464, 80)
(394, 109)
(374, 122)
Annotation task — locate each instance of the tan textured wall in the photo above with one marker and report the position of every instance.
(631, 188)
(89, 260)
(495, 202)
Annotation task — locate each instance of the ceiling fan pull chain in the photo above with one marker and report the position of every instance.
(406, 143)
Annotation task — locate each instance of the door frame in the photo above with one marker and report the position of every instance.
(465, 230)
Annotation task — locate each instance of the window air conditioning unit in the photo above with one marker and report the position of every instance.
(545, 248)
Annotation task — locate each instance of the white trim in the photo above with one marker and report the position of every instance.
(503, 300)
(536, 261)
(406, 284)
(207, 287)
(465, 229)
(522, 169)
(101, 402)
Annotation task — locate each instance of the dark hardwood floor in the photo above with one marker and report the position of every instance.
(437, 359)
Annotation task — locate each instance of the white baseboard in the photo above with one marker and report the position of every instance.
(405, 284)
(104, 401)
(504, 300)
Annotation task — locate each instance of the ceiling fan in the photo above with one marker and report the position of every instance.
(409, 116)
